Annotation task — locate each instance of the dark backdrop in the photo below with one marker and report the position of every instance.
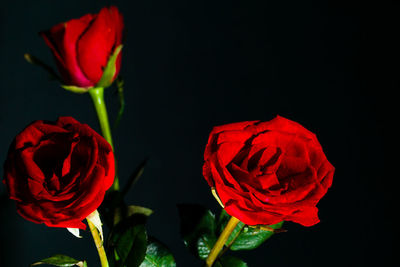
(191, 65)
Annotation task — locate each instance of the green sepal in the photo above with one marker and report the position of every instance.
(229, 261)
(157, 255)
(110, 69)
(61, 261)
(128, 242)
(36, 61)
(76, 89)
(133, 209)
(249, 237)
(197, 228)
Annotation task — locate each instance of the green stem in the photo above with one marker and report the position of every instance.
(99, 244)
(231, 225)
(97, 95)
(226, 248)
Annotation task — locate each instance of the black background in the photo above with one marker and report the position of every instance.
(191, 65)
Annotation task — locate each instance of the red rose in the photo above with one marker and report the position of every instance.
(82, 47)
(267, 172)
(58, 172)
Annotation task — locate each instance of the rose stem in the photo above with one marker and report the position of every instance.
(231, 243)
(97, 95)
(99, 244)
(232, 223)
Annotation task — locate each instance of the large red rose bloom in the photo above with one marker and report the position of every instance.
(268, 172)
(58, 173)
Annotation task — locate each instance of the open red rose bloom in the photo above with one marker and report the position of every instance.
(58, 173)
(267, 172)
(83, 46)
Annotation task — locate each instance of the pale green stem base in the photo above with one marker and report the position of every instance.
(99, 244)
(97, 95)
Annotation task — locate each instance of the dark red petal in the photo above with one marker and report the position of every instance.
(282, 125)
(32, 170)
(228, 193)
(307, 216)
(225, 133)
(30, 212)
(237, 126)
(66, 166)
(207, 174)
(118, 21)
(67, 224)
(91, 194)
(63, 121)
(227, 151)
(253, 217)
(119, 26)
(30, 136)
(15, 177)
(62, 39)
(53, 38)
(109, 166)
(221, 175)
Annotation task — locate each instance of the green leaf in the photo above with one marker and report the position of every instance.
(134, 177)
(128, 242)
(197, 228)
(204, 245)
(61, 260)
(110, 69)
(223, 220)
(249, 238)
(157, 255)
(229, 261)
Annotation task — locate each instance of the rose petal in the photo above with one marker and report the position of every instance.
(253, 217)
(307, 216)
(62, 39)
(96, 45)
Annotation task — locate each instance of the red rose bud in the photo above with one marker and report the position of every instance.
(87, 50)
(58, 172)
(267, 172)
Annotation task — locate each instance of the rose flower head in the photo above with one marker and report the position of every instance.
(87, 50)
(58, 172)
(267, 172)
